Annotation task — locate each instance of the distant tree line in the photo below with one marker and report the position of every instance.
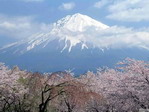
(123, 89)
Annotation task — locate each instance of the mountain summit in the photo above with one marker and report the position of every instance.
(78, 22)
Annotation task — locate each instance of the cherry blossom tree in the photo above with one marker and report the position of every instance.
(123, 89)
(12, 93)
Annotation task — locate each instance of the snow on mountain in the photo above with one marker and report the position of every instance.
(69, 29)
(78, 23)
(81, 30)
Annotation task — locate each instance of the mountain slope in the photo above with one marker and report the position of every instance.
(69, 30)
(76, 42)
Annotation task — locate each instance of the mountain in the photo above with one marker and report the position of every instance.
(75, 42)
(69, 31)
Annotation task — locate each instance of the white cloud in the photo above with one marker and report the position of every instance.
(118, 37)
(20, 27)
(32, 0)
(67, 6)
(101, 3)
(129, 10)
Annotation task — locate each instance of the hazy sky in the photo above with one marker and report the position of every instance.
(22, 18)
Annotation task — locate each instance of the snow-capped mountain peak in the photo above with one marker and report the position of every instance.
(70, 31)
(78, 23)
(77, 42)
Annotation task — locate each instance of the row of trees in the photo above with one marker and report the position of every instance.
(123, 89)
